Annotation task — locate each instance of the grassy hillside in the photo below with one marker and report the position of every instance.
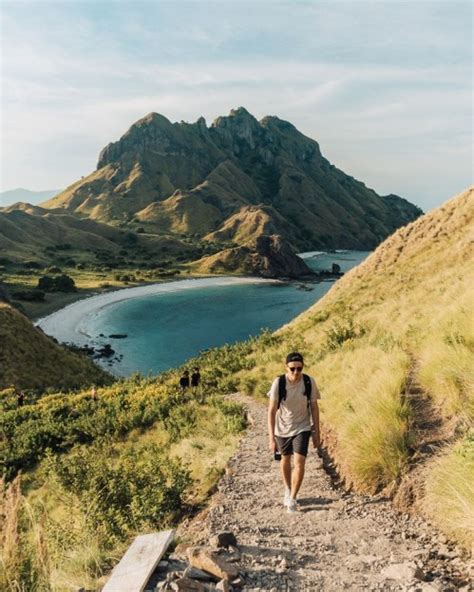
(95, 472)
(392, 347)
(30, 360)
(34, 233)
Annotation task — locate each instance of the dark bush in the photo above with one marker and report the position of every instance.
(130, 238)
(33, 265)
(4, 296)
(61, 283)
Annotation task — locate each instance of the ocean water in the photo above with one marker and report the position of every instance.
(164, 330)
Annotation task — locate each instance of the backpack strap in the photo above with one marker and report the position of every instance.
(307, 387)
(281, 389)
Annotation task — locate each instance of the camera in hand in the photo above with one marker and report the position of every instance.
(277, 455)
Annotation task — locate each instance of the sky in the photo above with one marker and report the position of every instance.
(385, 87)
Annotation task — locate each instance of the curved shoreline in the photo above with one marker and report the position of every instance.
(66, 323)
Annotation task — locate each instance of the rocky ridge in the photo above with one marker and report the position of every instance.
(236, 180)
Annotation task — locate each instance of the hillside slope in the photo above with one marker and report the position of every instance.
(30, 360)
(31, 233)
(392, 347)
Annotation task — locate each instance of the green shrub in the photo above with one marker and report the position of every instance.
(122, 492)
(180, 421)
(234, 416)
(61, 283)
(338, 333)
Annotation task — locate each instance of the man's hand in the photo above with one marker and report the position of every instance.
(272, 444)
(316, 440)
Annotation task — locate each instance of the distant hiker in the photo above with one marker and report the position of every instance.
(195, 378)
(94, 393)
(195, 382)
(293, 404)
(184, 380)
(20, 398)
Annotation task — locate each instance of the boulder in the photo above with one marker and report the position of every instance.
(223, 539)
(207, 559)
(403, 571)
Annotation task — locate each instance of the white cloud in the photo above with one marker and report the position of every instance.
(371, 105)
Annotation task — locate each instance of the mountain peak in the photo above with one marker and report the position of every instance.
(240, 112)
(153, 118)
(273, 163)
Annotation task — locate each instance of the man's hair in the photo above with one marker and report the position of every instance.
(294, 357)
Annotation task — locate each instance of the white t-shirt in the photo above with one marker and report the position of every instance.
(293, 416)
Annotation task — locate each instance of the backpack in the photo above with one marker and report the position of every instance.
(282, 388)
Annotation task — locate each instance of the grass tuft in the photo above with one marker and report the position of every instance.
(449, 495)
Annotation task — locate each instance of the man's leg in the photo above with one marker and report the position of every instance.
(285, 467)
(297, 474)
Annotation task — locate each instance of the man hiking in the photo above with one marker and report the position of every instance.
(293, 404)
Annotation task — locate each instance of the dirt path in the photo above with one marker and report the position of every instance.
(338, 541)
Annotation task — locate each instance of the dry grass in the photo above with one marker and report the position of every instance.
(10, 503)
(449, 496)
(25, 563)
(446, 360)
(362, 407)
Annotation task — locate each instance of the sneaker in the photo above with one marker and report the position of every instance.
(286, 497)
(292, 506)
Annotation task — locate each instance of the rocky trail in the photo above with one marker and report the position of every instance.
(337, 541)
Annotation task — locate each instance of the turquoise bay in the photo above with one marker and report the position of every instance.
(167, 328)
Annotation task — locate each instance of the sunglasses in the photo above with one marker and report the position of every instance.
(295, 368)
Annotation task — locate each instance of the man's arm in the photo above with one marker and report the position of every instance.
(272, 410)
(315, 430)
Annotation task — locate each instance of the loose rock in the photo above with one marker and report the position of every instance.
(403, 571)
(209, 560)
(223, 539)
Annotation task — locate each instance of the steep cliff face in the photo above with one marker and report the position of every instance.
(181, 178)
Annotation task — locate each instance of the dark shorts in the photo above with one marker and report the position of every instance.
(298, 444)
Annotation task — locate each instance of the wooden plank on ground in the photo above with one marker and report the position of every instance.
(133, 571)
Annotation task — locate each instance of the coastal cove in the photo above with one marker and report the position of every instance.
(166, 324)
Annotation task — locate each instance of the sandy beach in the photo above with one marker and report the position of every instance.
(68, 324)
